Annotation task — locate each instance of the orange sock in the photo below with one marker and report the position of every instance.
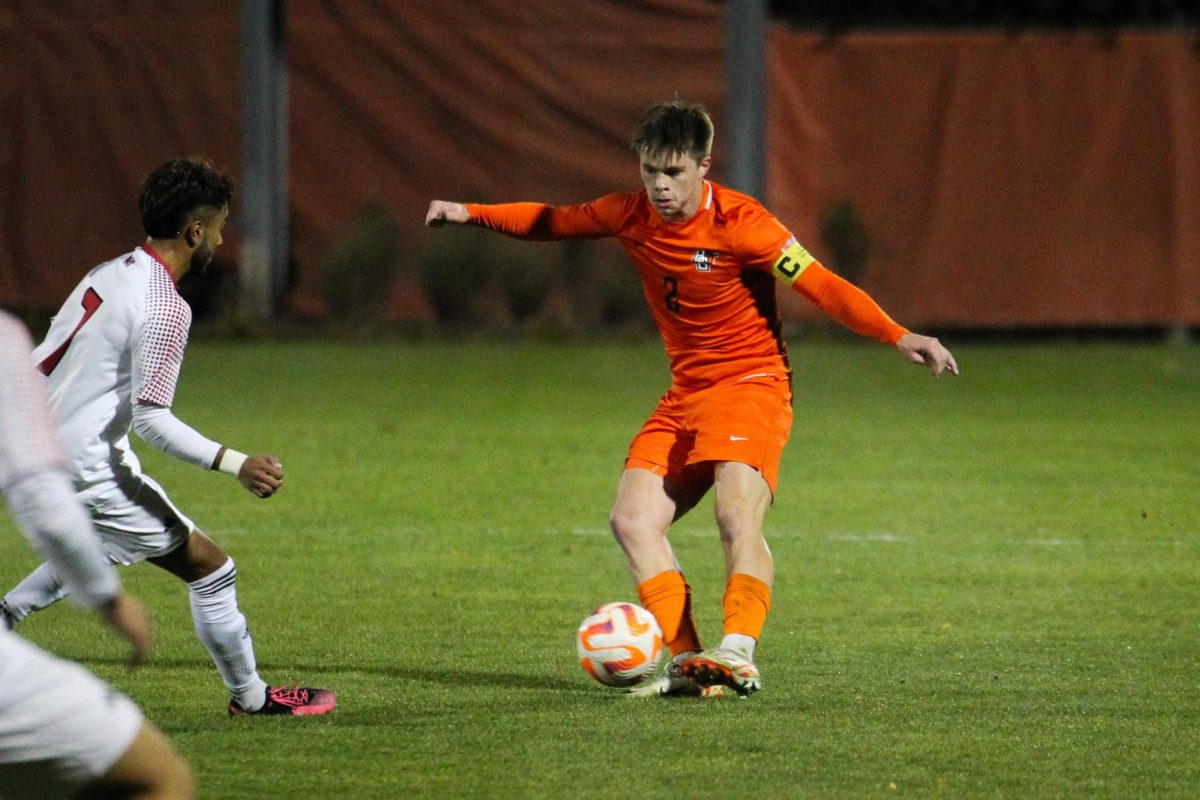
(669, 598)
(746, 602)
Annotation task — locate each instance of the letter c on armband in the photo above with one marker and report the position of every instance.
(792, 263)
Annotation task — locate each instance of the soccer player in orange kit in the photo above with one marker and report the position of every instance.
(709, 258)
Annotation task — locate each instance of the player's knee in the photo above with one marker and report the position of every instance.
(625, 523)
(629, 528)
(150, 769)
(177, 781)
(736, 526)
(619, 525)
(172, 780)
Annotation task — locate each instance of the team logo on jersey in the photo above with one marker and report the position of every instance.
(704, 259)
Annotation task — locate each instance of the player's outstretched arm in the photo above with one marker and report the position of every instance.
(532, 221)
(928, 351)
(441, 211)
(855, 309)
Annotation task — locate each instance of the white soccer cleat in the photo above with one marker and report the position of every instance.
(671, 682)
(720, 667)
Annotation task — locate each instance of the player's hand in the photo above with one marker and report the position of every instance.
(261, 475)
(440, 212)
(129, 619)
(928, 351)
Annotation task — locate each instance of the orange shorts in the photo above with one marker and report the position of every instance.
(690, 432)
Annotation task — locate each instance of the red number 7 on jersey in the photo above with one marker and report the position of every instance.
(91, 302)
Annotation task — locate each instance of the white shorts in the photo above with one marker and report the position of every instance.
(136, 520)
(60, 726)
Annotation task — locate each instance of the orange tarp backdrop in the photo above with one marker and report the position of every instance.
(93, 95)
(1025, 180)
(1005, 180)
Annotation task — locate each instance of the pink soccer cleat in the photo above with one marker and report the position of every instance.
(297, 701)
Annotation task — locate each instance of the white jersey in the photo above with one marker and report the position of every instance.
(28, 443)
(33, 476)
(118, 340)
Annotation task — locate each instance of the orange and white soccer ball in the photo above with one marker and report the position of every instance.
(619, 644)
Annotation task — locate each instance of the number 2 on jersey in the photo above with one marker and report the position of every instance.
(672, 294)
(91, 302)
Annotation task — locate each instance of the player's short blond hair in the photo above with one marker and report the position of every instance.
(673, 128)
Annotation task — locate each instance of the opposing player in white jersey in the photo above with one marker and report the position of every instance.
(63, 731)
(112, 357)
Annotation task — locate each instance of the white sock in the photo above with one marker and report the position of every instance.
(741, 644)
(41, 588)
(222, 629)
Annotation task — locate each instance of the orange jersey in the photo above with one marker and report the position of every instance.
(709, 281)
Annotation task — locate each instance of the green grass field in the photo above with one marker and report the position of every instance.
(988, 587)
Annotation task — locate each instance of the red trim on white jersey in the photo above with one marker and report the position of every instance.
(150, 251)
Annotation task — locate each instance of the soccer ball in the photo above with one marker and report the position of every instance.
(619, 644)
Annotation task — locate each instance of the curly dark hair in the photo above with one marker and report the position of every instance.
(177, 192)
(674, 128)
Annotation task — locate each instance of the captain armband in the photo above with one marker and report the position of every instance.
(792, 263)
